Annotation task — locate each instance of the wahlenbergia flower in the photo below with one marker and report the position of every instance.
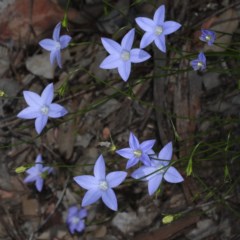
(156, 29)
(208, 36)
(137, 152)
(159, 169)
(121, 56)
(55, 45)
(75, 219)
(37, 173)
(100, 185)
(199, 63)
(41, 107)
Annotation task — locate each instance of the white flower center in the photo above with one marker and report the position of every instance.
(137, 153)
(125, 55)
(75, 220)
(158, 30)
(44, 109)
(161, 169)
(200, 64)
(58, 45)
(103, 185)
(208, 38)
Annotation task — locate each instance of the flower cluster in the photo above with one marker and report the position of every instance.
(200, 63)
(121, 56)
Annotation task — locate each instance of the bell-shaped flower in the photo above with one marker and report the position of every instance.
(75, 219)
(208, 36)
(156, 29)
(55, 45)
(158, 170)
(100, 185)
(37, 173)
(137, 152)
(199, 63)
(41, 107)
(121, 56)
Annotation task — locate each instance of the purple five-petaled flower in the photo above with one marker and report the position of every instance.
(199, 63)
(158, 170)
(156, 29)
(100, 185)
(75, 219)
(37, 173)
(208, 36)
(121, 56)
(137, 152)
(55, 45)
(41, 107)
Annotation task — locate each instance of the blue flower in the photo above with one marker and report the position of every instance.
(121, 56)
(75, 219)
(158, 170)
(41, 107)
(199, 63)
(156, 29)
(208, 36)
(37, 173)
(137, 152)
(100, 185)
(55, 45)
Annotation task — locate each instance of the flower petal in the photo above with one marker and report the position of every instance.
(147, 39)
(47, 94)
(48, 44)
(144, 173)
(145, 159)
(147, 145)
(80, 226)
(111, 46)
(39, 184)
(56, 110)
(159, 15)
(30, 178)
(110, 62)
(127, 40)
(32, 99)
(53, 56)
(139, 55)
(131, 162)
(38, 162)
(202, 57)
(126, 153)
(86, 181)
(56, 32)
(91, 196)
(110, 200)
(160, 43)
(154, 183)
(72, 211)
(40, 123)
(59, 58)
(82, 213)
(64, 41)
(99, 169)
(146, 24)
(133, 142)
(166, 153)
(172, 175)
(170, 27)
(124, 69)
(115, 178)
(29, 113)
